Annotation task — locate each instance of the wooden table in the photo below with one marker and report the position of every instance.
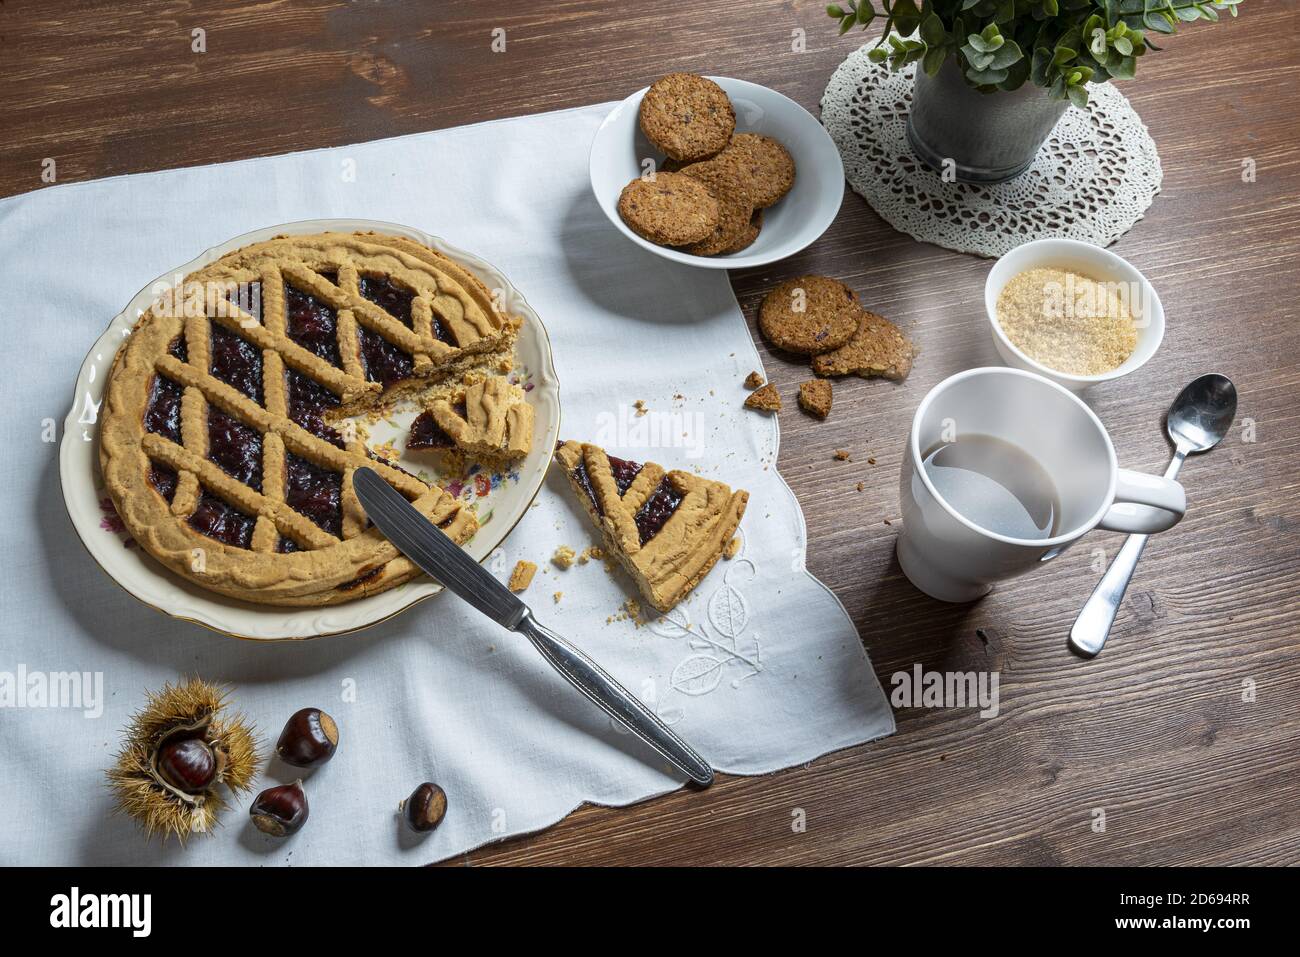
(1155, 731)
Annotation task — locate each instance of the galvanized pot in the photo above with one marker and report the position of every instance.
(988, 137)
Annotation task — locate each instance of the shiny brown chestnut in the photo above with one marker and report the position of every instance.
(187, 764)
(280, 811)
(425, 808)
(309, 739)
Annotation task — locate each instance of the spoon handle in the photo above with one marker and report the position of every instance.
(1092, 627)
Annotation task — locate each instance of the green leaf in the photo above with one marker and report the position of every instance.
(1078, 96)
(877, 54)
(992, 36)
(847, 24)
(1063, 55)
(1008, 54)
(986, 77)
(933, 60)
(835, 10)
(932, 31)
(1124, 46)
(866, 12)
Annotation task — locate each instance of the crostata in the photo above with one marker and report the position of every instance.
(222, 441)
(668, 528)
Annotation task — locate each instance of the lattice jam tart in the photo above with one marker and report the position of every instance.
(218, 438)
(668, 528)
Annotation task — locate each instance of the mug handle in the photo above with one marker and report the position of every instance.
(1166, 497)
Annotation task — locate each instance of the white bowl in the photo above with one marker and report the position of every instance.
(94, 520)
(803, 214)
(1096, 263)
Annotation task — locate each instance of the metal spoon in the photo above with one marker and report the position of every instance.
(1198, 419)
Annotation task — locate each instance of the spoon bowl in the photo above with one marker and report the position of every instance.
(1202, 414)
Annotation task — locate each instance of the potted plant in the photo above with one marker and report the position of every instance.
(996, 75)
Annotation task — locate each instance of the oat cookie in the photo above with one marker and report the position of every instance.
(809, 315)
(734, 209)
(877, 348)
(753, 380)
(671, 209)
(763, 163)
(747, 235)
(765, 399)
(688, 117)
(815, 397)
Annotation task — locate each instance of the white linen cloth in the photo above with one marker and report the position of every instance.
(439, 693)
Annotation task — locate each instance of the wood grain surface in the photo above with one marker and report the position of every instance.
(1155, 731)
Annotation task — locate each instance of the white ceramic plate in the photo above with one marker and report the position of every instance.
(802, 215)
(503, 502)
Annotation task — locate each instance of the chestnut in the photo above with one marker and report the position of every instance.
(425, 808)
(280, 811)
(308, 739)
(187, 764)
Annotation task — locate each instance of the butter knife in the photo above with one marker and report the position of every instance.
(430, 548)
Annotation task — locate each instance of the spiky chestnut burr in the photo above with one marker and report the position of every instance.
(179, 753)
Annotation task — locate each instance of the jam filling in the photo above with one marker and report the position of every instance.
(384, 362)
(236, 362)
(235, 448)
(164, 479)
(625, 472)
(581, 476)
(656, 511)
(217, 519)
(307, 402)
(388, 296)
(428, 434)
(312, 324)
(179, 349)
(361, 580)
(286, 545)
(248, 297)
(315, 492)
(162, 416)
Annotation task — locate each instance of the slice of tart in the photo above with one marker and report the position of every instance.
(668, 528)
(489, 422)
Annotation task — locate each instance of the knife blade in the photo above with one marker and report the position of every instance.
(430, 548)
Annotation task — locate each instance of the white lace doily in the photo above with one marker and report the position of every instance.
(1092, 180)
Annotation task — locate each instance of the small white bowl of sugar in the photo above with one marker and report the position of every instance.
(1072, 312)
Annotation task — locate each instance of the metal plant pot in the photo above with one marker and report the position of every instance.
(988, 137)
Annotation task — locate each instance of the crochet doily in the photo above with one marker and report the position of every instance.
(1092, 180)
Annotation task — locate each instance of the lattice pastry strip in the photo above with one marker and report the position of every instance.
(668, 528)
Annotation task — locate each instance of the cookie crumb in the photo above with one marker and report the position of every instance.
(595, 551)
(859, 486)
(732, 548)
(564, 557)
(522, 576)
(557, 596)
(843, 455)
(766, 399)
(640, 406)
(753, 380)
(634, 611)
(815, 397)
(871, 461)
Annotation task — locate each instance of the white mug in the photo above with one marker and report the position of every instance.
(950, 557)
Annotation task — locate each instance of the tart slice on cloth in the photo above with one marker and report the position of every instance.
(668, 528)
